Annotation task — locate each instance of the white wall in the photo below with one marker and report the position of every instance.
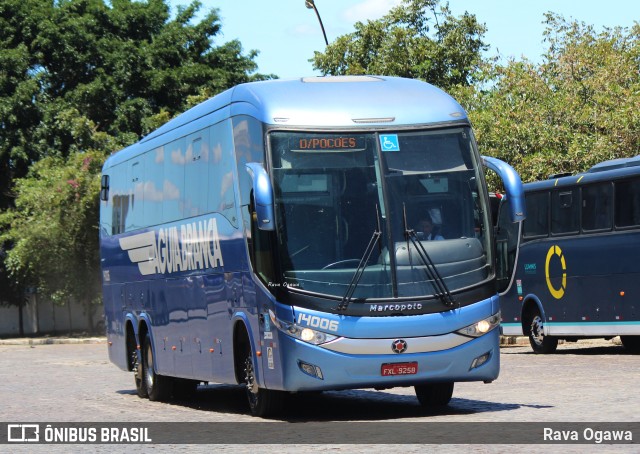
(44, 317)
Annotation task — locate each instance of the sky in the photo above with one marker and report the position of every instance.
(286, 33)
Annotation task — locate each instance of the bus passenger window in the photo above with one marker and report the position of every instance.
(537, 222)
(221, 162)
(627, 209)
(196, 174)
(135, 219)
(154, 181)
(596, 207)
(173, 185)
(564, 211)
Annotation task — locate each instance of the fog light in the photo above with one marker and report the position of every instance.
(310, 369)
(480, 360)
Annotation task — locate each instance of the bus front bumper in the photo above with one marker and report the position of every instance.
(308, 367)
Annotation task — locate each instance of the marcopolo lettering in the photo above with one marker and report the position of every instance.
(194, 246)
(395, 307)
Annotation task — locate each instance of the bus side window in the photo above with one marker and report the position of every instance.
(173, 185)
(565, 211)
(537, 222)
(597, 207)
(196, 174)
(119, 198)
(135, 218)
(627, 209)
(152, 191)
(221, 162)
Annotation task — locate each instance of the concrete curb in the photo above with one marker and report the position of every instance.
(513, 341)
(53, 340)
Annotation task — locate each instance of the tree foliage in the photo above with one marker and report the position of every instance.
(418, 39)
(80, 79)
(580, 106)
(53, 228)
(115, 64)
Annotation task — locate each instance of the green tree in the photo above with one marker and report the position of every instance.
(115, 63)
(19, 87)
(80, 79)
(418, 39)
(580, 106)
(53, 228)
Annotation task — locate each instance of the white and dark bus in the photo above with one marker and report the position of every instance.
(570, 270)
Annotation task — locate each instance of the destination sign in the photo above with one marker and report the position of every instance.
(327, 143)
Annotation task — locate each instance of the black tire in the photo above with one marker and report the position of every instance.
(135, 364)
(262, 402)
(535, 330)
(141, 387)
(434, 395)
(631, 343)
(159, 387)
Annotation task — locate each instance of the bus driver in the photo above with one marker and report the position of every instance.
(426, 231)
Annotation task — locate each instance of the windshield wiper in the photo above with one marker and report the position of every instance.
(355, 279)
(440, 286)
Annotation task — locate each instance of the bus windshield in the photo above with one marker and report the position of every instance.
(405, 191)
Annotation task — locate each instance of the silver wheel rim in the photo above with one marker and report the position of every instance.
(537, 330)
(250, 381)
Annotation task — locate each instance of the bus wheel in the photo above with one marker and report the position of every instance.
(262, 402)
(141, 388)
(435, 394)
(631, 343)
(539, 342)
(158, 387)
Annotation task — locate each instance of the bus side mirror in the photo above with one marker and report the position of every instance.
(512, 185)
(262, 195)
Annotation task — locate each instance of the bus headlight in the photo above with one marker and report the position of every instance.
(309, 335)
(481, 327)
(305, 334)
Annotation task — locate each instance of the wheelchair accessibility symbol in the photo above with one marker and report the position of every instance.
(389, 142)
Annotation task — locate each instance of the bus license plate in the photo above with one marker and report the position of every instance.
(391, 369)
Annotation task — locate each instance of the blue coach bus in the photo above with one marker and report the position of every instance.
(570, 270)
(267, 237)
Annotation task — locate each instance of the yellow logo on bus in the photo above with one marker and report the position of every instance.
(555, 250)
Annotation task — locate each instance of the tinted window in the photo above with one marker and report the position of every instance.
(196, 174)
(537, 222)
(135, 217)
(627, 210)
(597, 207)
(119, 197)
(565, 213)
(221, 192)
(173, 187)
(154, 178)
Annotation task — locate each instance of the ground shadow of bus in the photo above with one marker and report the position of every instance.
(364, 405)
